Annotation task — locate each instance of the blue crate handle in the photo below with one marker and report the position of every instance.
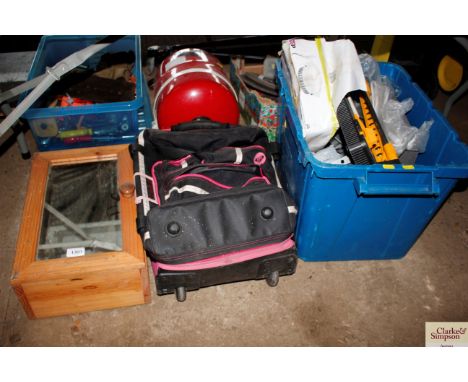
(364, 186)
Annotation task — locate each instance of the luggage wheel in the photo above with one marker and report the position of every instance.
(181, 294)
(273, 278)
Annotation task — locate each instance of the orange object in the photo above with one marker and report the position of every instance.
(449, 73)
(368, 89)
(382, 150)
(66, 101)
(132, 79)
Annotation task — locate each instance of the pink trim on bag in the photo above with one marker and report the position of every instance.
(204, 177)
(263, 175)
(221, 185)
(178, 162)
(259, 159)
(264, 178)
(223, 164)
(228, 258)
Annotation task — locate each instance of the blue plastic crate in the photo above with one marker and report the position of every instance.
(356, 212)
(111, 123)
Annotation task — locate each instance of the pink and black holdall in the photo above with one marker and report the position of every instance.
(211, 209)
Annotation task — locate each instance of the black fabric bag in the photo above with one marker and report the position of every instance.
(206, 189)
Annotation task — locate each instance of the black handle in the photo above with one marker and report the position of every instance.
(200, 123)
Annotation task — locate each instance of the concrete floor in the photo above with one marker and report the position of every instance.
(368, 303)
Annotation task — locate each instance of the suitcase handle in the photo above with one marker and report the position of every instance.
(398, 183)
(200, 123)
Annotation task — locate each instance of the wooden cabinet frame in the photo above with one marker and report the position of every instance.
(70, 285)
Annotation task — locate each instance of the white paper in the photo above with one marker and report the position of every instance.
(344, 73)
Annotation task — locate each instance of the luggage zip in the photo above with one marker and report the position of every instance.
(215, 182)
(203, 168)
(231, 257)
(215, 195)
(200, 255)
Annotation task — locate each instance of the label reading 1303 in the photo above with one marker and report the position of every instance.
(75, 252)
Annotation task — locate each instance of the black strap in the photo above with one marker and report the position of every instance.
(253, 81)
(133, 149)
(274, 149)
(200, 123)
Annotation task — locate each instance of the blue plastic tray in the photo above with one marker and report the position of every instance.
(355, 212)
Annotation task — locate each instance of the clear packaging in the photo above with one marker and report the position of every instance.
(420, 139)
(330, 155)
(391, 112)
(395, 124)
(370, 67)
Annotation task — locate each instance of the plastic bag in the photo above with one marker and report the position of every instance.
(420, 139)
(369, 67)
(395, 124)
(330, 155)
(391, 112)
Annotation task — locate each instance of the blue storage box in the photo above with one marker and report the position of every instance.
(356, 212)
(110, 123)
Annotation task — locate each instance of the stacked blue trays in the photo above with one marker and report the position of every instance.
(355, 212)
(111, 123)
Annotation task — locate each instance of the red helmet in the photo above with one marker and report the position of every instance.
(192, 84)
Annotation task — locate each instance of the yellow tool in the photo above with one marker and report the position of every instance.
(381, 150)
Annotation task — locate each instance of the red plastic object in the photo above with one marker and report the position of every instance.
(69, 101)
(192, 84)
(83, 138)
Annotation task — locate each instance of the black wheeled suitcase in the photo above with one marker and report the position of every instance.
(211, 209)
